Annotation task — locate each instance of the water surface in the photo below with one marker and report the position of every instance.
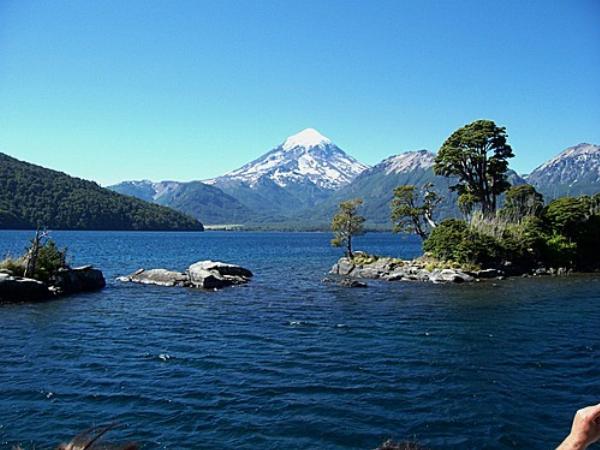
(289, 361)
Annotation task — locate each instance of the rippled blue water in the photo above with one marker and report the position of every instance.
(291, 362)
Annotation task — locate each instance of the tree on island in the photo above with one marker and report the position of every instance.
(412, 210)
(42, 259)
(466, 204)
(477, 154)
(346, 224)
(521, 202)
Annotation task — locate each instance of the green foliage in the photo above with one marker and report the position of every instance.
(522, 201)
(578, 221)
(477, 154)
(50, 259)
(565, 234)
(346, 224)
(445, 240)
(595, 204)
(32, 196)
(559, 251)
(567, 215)
(412, 211)
(453, 240)
(466, 203)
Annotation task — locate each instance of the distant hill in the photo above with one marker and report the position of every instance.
(204, 202)
(32, 196)
(575, 171)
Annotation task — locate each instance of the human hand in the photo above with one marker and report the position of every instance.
(585, 429)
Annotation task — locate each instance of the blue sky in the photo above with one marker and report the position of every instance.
(114, 90)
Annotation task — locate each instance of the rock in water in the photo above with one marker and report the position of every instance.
(158, 277)
(343, 267)
(78, 279)
(203, 274)
(348, 282)
(222, 268)
(487, 273)
(206, 279)
(392, 269)
(215, 275)
(17, 289)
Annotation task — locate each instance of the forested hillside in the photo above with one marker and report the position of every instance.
(32, 196)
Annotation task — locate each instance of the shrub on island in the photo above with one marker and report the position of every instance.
(42, 272)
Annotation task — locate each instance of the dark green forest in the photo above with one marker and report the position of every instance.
(32, 196)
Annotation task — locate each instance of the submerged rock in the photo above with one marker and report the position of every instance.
(487, 273)
(203, 274)
(349, 282)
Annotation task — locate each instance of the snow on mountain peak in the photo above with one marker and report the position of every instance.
(581, 153)
(408, 161)
(307, 138)
(576, 166)
(307, 156)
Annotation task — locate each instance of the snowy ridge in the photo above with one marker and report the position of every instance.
(305, 156)
(407, 162)
(575, 164)
(581, 153)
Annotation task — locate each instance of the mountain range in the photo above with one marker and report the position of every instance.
(575, 171)
(299, 184)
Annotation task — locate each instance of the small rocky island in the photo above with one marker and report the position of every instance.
(363, 266)
(425, 268)
(202, 275)
(42, 273)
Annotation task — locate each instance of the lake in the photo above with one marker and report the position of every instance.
(289, 361)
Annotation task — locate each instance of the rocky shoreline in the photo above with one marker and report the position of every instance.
(66, 281)
(421, 269)
(201, 275)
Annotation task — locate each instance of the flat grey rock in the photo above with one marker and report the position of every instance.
(203, 275)
(157, 277)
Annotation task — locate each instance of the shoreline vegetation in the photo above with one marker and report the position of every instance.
(505, 230)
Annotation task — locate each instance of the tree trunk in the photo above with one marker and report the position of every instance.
(349, 246)
(32, 255)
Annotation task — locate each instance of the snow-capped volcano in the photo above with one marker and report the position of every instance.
(307, 156)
